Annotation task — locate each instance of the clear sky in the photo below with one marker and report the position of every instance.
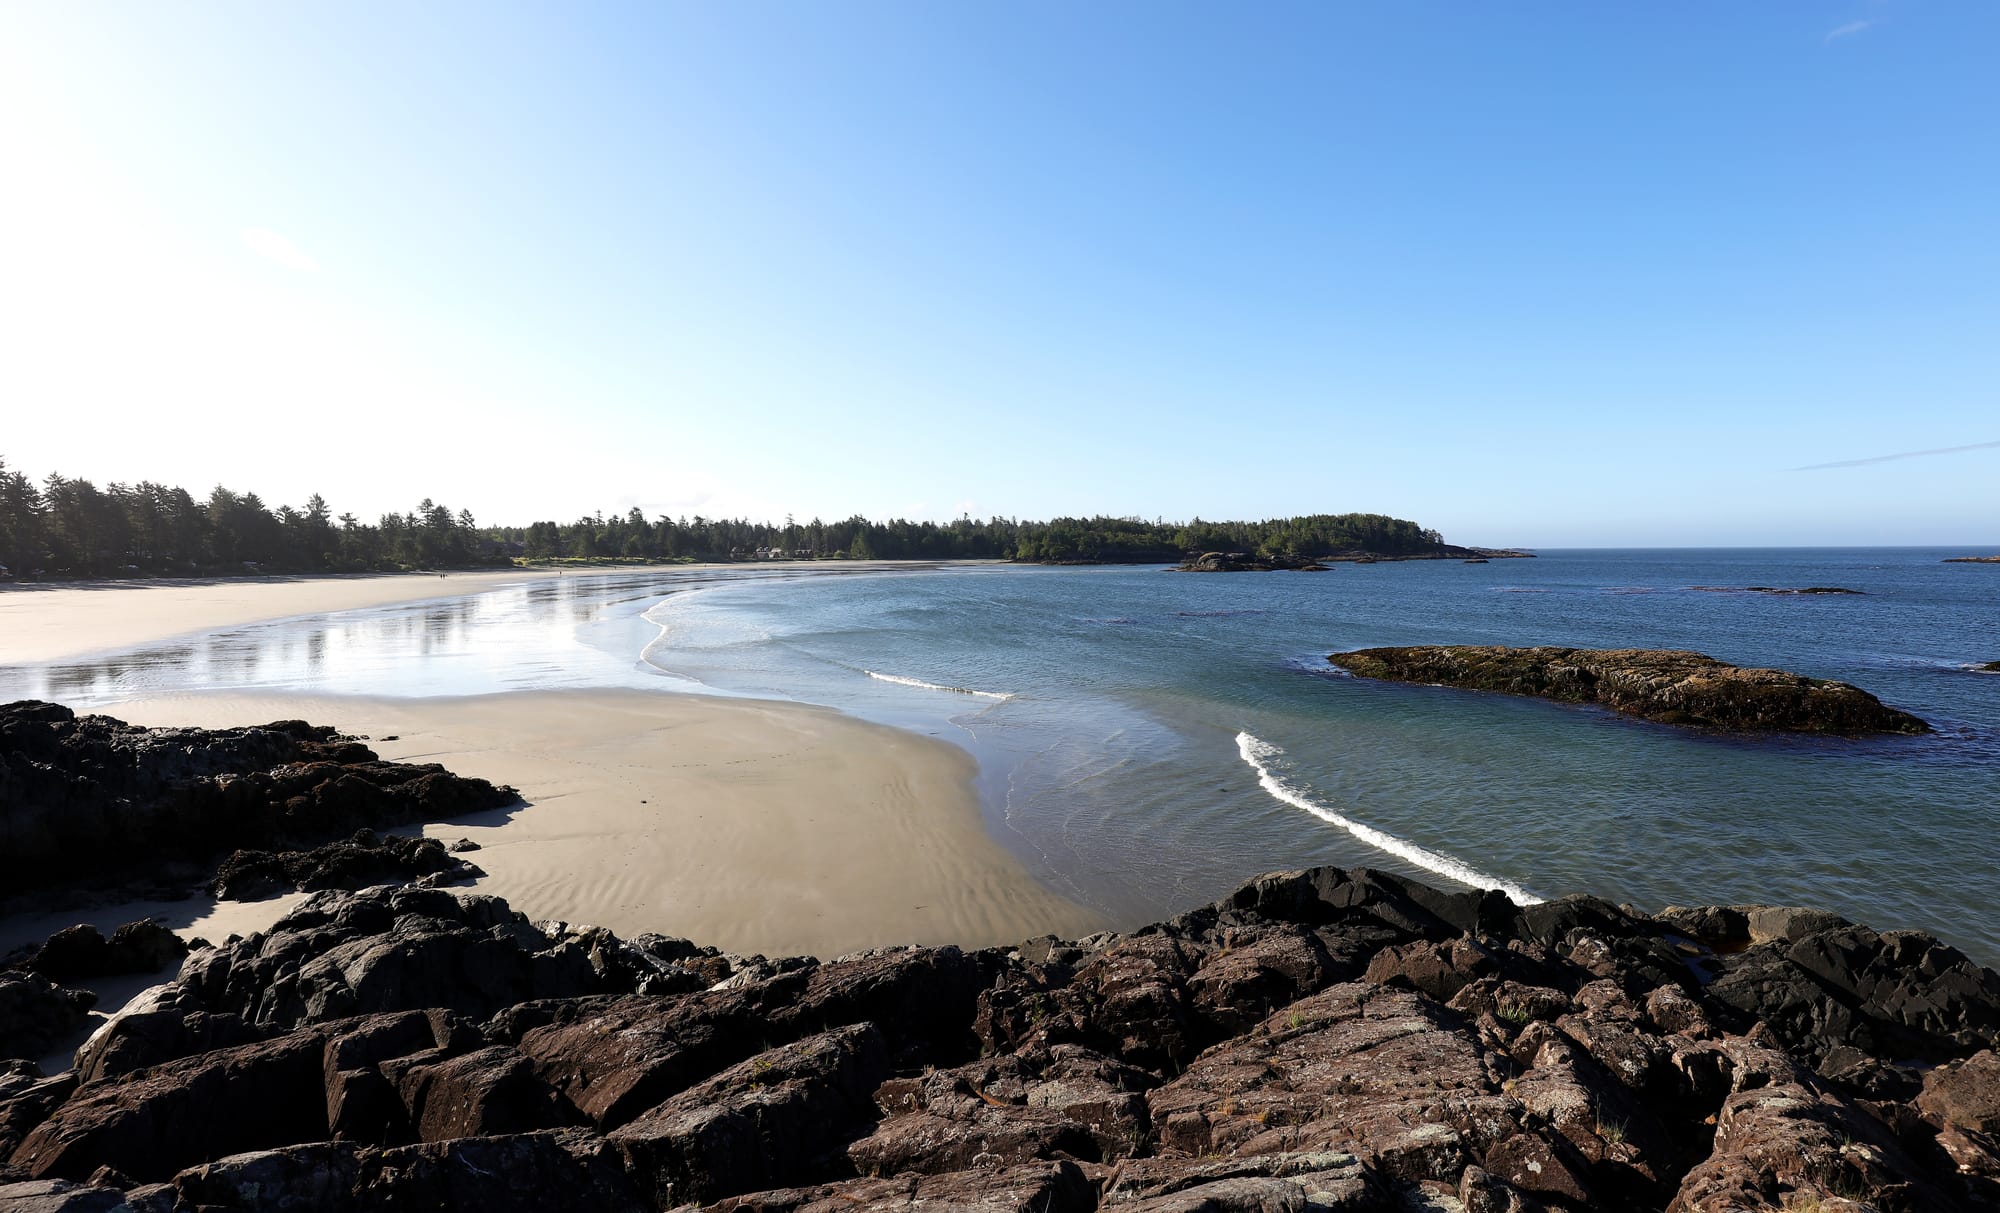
(1547, 274)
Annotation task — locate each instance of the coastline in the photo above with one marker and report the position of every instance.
(755, 826)
(51, 621)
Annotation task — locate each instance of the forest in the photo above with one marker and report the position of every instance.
(63, 527)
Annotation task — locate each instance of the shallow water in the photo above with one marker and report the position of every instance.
(1147, 739)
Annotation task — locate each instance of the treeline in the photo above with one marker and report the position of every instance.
(65, 527)
(1060, 540)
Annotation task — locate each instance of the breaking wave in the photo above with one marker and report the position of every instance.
(1261, 754)
(932, 686)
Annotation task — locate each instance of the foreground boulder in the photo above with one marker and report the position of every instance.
(89, 800)
(1668, 685)
(1326, 1039)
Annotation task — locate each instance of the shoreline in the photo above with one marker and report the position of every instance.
(46, 622)
(59, 621)
(757, 826)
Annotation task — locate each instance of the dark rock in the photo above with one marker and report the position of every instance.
(1316, 1040)
(1437, 969)
(1772, 589)
(562, 1171)
(36, 1015)
(1245, 562)
(153, 1123)
(340, 954)
(779, 1117)
(60, 1196)
(91, 800)
(486, 1093)
(1802, 1140)
(1965, 1093)
(1670, 686)
(82, 952)
(27, 1103)
(1034, 1188)
(364, 859)
(1899, 995)
(159, 1025)
(318, 1176)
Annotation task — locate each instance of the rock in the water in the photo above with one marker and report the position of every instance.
(1246, 562)
(1670, 686)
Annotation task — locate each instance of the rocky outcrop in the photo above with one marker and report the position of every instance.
(1330, 1039)
(1667, 685)
(1972, 560)
(81, 952)
(1257, 562)
(89, 800)
(1772, 589)
(365, 858)
(36, 1014)
(1247, 562)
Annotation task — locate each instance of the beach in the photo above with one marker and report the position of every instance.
(48, 621)
(751, 825)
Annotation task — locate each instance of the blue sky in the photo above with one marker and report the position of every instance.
(1542, 274)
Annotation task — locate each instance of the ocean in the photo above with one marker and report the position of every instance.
(1148, 739)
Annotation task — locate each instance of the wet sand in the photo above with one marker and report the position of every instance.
(750, 825)
(48, 621)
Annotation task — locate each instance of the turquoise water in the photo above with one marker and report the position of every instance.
(1147, 739)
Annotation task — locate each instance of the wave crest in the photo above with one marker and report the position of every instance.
(1260, 754)
(932, 686)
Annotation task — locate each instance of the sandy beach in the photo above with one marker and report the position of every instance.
(752, 825)
(48, 621)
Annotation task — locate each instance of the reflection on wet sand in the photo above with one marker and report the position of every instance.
(520, 637)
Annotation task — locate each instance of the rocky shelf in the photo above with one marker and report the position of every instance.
(1327, 1039)
(1773, 589)
(1972, 560)
(1668, 685)
(90, 800)
(1256, 562)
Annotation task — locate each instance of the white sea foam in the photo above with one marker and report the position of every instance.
(932, 686)
(1262, 754)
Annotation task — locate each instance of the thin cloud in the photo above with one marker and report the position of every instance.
(1847, 31)
(275, 248)
(1855, 463)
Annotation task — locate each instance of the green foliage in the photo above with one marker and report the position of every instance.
(71, 528)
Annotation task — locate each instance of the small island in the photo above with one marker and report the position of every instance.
(1247, 562)
(1671, 686)
(1267, 562)
(1972, 560)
